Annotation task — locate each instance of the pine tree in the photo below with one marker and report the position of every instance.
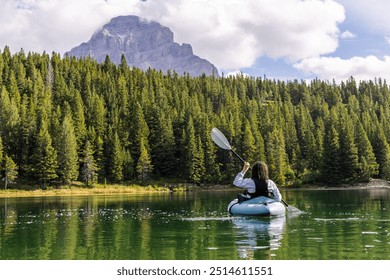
(115, 163)
(9, 116)
(348, 149)
(144, 163)
(194, 161)
(331, 168)
(140, 135)
(14, 90)
(317, 156)
(26, 131)
(98, 146)
(45, 158)
(248, 143)
(162, 143)
(276, 156)
(382, 153)
(128, 165)
(212, 172)
(367, 161)
(67, 153)
(306, 140)
(78, 118)
(89, 167)
(290, 132)
(10, 171)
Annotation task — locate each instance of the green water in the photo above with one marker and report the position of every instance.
(347, 224)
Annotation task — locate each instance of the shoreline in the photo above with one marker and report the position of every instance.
(372, 184)
(77, 190)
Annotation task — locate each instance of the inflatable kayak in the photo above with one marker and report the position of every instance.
(258, 206)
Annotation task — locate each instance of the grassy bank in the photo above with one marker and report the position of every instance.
(77, 188)
(74, 190)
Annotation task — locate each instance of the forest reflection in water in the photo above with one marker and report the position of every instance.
(336, 224)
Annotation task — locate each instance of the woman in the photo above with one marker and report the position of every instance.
(259, 184)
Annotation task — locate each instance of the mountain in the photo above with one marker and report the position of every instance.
(145, 44)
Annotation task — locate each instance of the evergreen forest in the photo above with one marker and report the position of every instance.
(64, 119)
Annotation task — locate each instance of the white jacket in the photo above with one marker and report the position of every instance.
(249, 184)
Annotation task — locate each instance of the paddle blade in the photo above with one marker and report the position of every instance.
(220, 139)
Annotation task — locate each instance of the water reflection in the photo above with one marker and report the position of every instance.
(257, 234)
(337, 224)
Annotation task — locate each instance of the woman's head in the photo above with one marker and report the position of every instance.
(260, 171)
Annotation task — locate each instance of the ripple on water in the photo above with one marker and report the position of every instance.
(336, 219)
(318, 239)
(196, 219)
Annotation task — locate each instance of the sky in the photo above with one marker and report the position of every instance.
(278, 39)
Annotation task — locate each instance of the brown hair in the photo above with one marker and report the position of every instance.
(260, 171)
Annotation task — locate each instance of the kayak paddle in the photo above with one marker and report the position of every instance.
(222, 142)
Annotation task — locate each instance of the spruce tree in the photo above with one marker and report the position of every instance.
(10, 171)
(9, 117)
(67, 153)
(367, 161)
(162, 142)
(212, 172)
(331, 167)
(115, 167)
(382, 153)
(78, 118)
(317, 156)
(140, 133)
(144, 163)
(194, 161)
(45, 158)
(276, 156)
(128, 165)
(348, 149)
(89, 167)
(248, 143)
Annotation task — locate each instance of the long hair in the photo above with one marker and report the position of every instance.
(260, 171)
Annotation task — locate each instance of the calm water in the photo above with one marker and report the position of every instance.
(348, 224)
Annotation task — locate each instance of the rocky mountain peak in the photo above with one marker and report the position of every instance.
(144, 44)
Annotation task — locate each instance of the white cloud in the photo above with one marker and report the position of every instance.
(229, 33)
(233, 33)
(55, 25)
(347, 35)
(361, 68)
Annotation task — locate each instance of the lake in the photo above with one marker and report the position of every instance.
(335, 224)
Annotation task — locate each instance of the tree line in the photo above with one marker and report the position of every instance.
(66, 119)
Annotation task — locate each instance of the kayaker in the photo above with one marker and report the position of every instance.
(259, 184)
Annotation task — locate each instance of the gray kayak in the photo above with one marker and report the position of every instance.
(258, 206)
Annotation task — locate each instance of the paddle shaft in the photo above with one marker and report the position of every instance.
(237, 155)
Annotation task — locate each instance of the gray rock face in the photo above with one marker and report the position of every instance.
(145, 44)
